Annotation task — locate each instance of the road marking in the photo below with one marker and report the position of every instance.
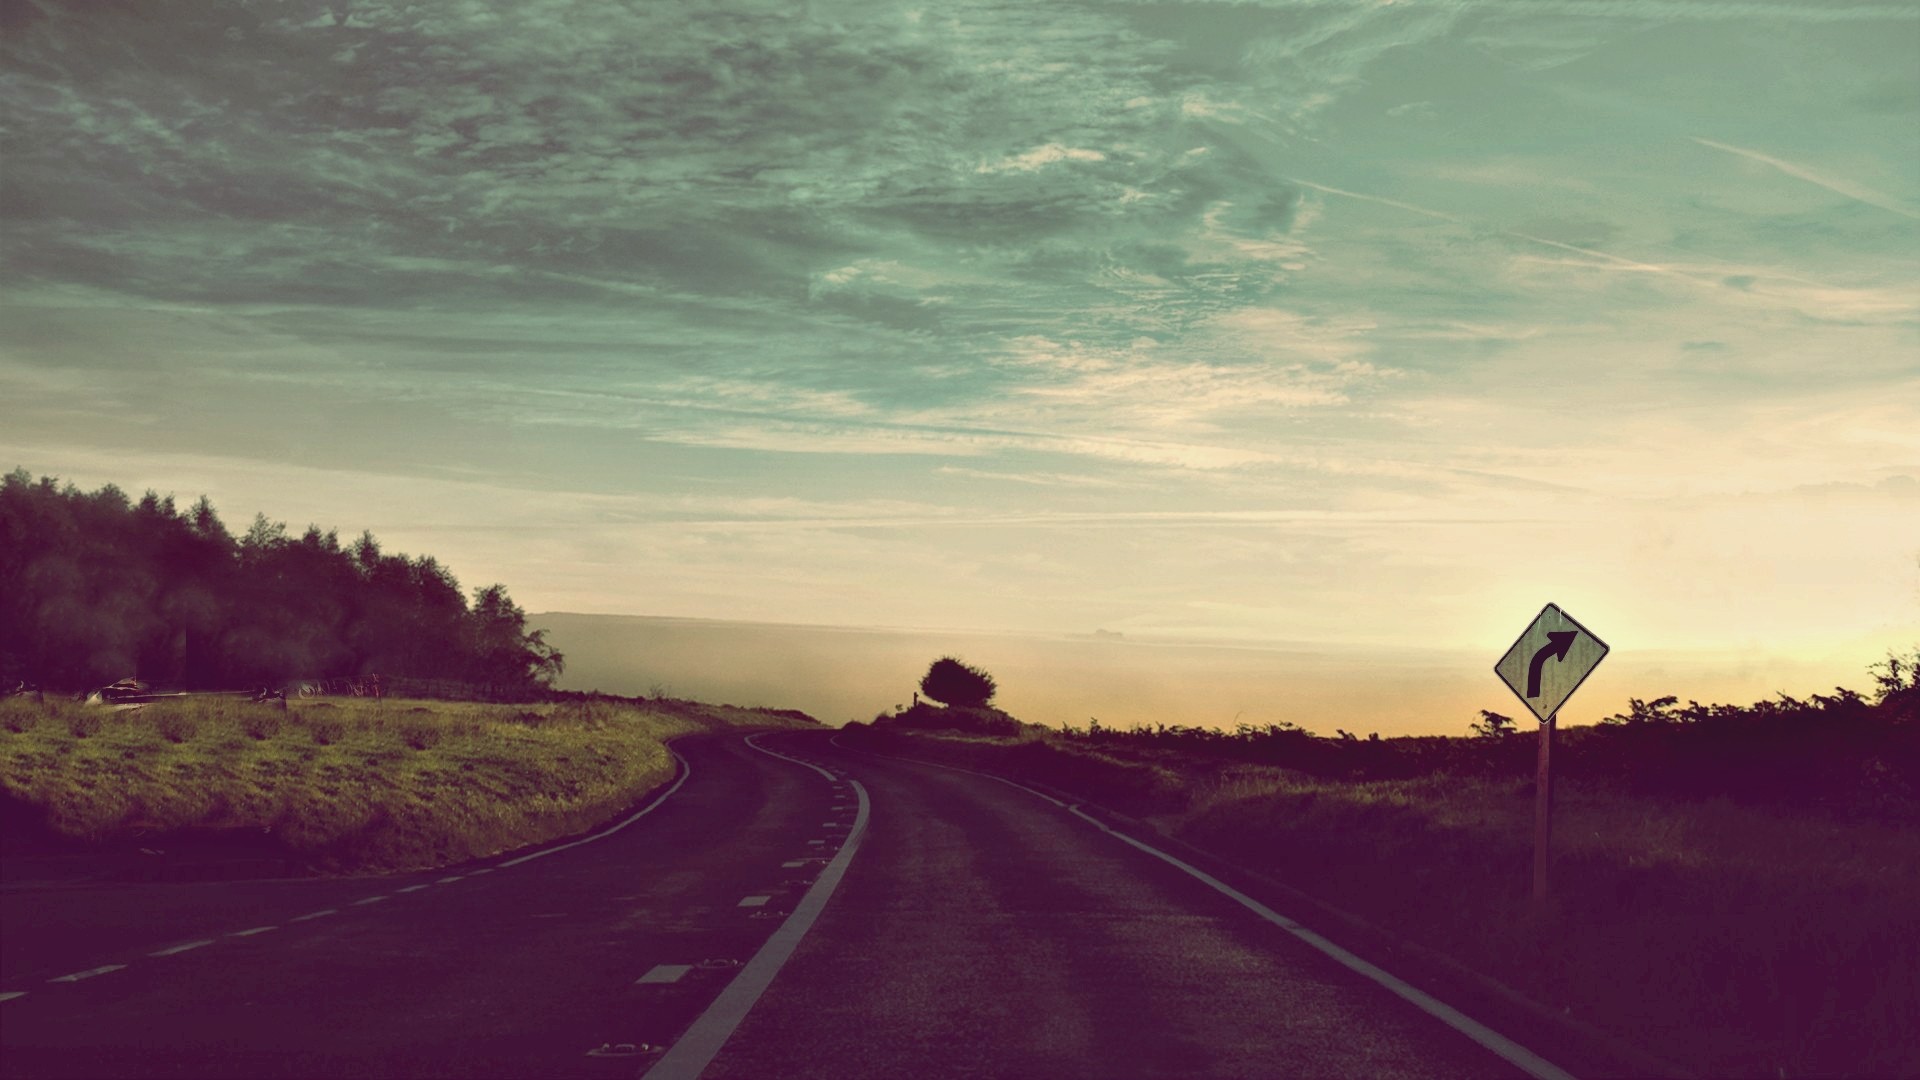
(482, 870)
(955, 768)
(1506, 1049)
(1512, 1052)
(416, 888)
(695, 1049)
(255, 930)
(663, 973)
(791, 863)
(175, 950)
(11, 994)
(449, 880)
(89, 973)
(830, 825)
(368, 900)
(816, 843)
(686, 770)
(312, 915)
(753, 901)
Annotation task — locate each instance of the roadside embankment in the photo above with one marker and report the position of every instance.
(1731, 938)
(339, 785)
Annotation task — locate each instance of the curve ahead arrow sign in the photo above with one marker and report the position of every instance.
(1558, 642)
(1552, 657)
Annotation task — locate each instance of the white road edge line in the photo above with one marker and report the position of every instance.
(368, 900)
(176, 950)
(11, 994)
(955, 768)
(250, 933)
(89, 973)
(686, 770)
(1499, 1045)
(415, 888)
(1506, 1049)
(696, 1049)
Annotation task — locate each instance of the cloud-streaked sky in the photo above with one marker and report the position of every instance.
(1366, 323)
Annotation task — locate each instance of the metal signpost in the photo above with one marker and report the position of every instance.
(1553, 656)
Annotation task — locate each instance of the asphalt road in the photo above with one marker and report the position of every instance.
(972, 929)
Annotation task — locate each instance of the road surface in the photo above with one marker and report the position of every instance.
(970, 929)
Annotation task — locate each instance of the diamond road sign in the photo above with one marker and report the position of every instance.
(1550, 661)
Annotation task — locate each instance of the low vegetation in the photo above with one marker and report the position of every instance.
(341, 784)
(1736, 889)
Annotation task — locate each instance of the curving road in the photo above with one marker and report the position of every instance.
(969, 928)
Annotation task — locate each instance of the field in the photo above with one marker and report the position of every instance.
(344, 784)
(1728, 937)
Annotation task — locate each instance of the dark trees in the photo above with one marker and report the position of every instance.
(951, 682)
(94, 588)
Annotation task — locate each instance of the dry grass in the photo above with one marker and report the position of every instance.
(1734, 939)
(347, 784)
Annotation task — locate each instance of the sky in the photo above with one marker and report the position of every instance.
(1367, 325)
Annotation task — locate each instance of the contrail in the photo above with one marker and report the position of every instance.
(1376, 199)
(1839, 187)
(1620, 260)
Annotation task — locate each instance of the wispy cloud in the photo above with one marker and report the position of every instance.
(1837, 185)
(1188, 314)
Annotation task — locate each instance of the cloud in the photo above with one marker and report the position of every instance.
(740, 306)
(1041, 156)
(1851, 190)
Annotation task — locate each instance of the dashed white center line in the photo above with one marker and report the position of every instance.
(754, 901)
(11, 994)
(482, 870)
(663, 973)
(448, 880)
(791, 863)
(175, 950)
(368, 900)
(89, 973)
(816, 843)
(311, 915)
(250, 933)
(415, 888)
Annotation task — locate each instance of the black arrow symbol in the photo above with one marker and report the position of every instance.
(1558, 642)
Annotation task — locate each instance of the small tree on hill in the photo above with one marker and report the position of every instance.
(951, 682)
(1492, 725)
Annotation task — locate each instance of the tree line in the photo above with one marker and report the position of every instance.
(95, 587)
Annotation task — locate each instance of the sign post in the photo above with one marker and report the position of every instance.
(1543, 809)
(1548, 662)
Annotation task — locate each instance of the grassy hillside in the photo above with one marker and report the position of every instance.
(344, 784)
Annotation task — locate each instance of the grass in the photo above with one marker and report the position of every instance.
(1734, 939)
(346, 784)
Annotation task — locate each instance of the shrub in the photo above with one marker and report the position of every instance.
(83, 724)
(176, 727)
(951, 682)
(326, 732)
(21, 720)
(264, 724)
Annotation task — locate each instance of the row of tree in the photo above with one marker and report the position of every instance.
(95, 587)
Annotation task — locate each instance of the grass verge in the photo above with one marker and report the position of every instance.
(340, 785)
(1733, 939)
